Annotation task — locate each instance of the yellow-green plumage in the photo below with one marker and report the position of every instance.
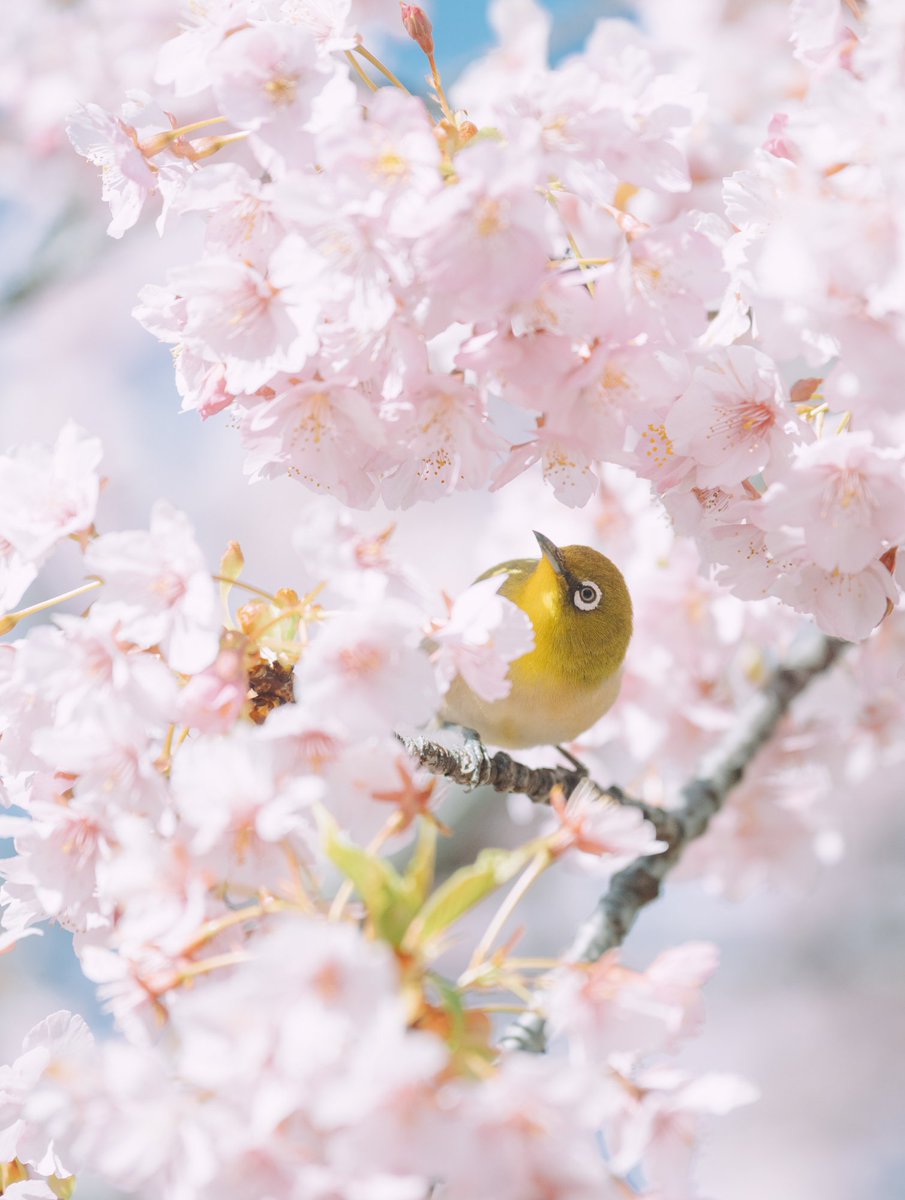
(572, 676)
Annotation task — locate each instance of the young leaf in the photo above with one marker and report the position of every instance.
(463, 890)
(419, 874)
(391, 902)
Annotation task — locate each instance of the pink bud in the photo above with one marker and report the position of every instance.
(418, 27)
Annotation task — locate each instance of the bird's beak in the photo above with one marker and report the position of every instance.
(551, 553)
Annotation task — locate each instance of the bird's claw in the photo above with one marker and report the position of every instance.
(475, 760)
(577, 764)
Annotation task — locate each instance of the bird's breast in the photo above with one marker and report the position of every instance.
(543, 707)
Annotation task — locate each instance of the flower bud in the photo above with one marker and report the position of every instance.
(418, 27)
(233, 561)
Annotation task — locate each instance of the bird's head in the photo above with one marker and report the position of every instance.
(581, 610)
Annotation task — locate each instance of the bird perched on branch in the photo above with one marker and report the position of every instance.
(580, 607)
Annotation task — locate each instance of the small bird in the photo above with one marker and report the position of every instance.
(580, 607)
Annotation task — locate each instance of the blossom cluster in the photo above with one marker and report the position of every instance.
(650, 296)
(299, 1074)
(184, 776)
(397, 299)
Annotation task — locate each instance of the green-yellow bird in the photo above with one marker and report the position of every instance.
(580, 607)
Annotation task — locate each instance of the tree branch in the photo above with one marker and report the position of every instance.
(471, 766)
(639, 883)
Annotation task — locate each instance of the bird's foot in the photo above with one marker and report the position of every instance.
(475, 759)
(576, 762)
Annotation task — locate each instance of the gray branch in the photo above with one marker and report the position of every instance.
(471, 766)
(639, 883)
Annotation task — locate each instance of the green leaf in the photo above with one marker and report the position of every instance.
(392, 900)
(419, 874)
(464, 889)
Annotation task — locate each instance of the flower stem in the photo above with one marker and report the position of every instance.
(230, 959)
(215, 143)
(210, 929)
(438, 88)
(10, 620)
(579, 257)
(302, 883)
(500, 1008)
(183, 129)
(247, 586)
(375, 62)
(361, 71)
(530, 875)
(161, 141)
(574, 261)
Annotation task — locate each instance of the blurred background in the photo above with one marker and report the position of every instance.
(808, 1002)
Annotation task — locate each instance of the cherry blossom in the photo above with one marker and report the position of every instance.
(269, 78)
(157, 590)
(128, 177)
(368, 665)
(606, 836)
(322, 432)
(53, 872)
(483, 249)
(329, 21)
(213, 699)
(848, 498)
(338, 24)
(125, 148)
(733, 418)
(353, 564)
(606, 1008)
(450, 443)
(484, 634)
(30, 1189)
(184, 60)
(47, 495)
(242, 210)
(846, 604)
(237, 786)
(529, 1136)
(258, 324)
(46, 1050)
(821, 28)
(566, 464)
(661, 1123)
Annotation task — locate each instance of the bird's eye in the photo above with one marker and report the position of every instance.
(587, 596)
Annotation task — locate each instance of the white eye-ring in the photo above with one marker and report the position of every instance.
(587, 595)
